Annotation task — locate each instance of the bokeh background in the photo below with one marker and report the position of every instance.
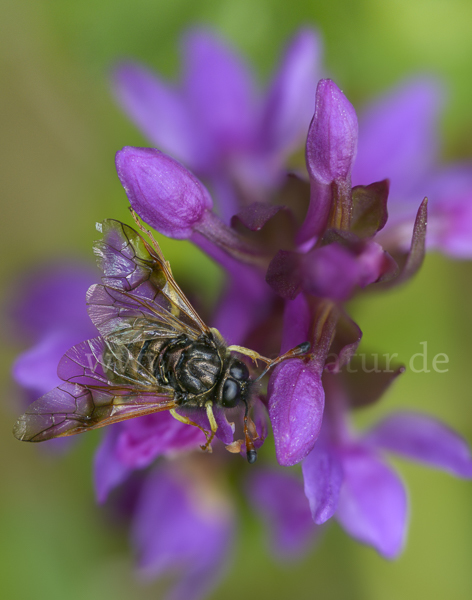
(60, 129)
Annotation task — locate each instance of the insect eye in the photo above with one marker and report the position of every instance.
(239, 371)
(230, 393)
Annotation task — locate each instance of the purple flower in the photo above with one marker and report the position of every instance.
(332, 256)
(408, 118)
(136, 444)
(346, 476)
(183, 526)
(48, 309)
(293, 251)
(215, 122)
(279, 499)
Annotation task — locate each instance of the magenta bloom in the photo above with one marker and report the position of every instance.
(347, 477)
(216, 123)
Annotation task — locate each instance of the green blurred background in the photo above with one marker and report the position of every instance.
(60, 130)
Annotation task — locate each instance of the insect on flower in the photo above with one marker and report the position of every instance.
(154, 352)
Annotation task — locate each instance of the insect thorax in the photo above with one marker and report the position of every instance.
(190, 367)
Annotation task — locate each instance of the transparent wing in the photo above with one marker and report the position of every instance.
(88, 398)
(98, 363)
(74, 408)
(139, 298)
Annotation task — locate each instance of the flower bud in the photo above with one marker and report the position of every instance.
(332, 138)
(163, 192)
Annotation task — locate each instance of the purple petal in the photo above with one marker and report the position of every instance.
(242, 306)
(180, 526)
(332, 138)
(291, 99)
(108, 470)
(323, 476)
(163, 192)
(450, 211)
(297, 320)
(296, 402)
(36, 369)
(53, 298)
(159, 111)
(143, 439)
(219, 91)
(372, 505)
(398, 137)
(332, 271)
(278, 497)
(423, 438)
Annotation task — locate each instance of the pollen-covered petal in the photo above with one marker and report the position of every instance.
(181, 527)
(372, 505)
(323, 477)
(296, 403)
(278, 497)
(163, 192)
(425, 439)
(332, 138)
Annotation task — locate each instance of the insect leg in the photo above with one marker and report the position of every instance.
(213, 425)
(151, 237)
(299, 350)
(255, 356)
(187, 421)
